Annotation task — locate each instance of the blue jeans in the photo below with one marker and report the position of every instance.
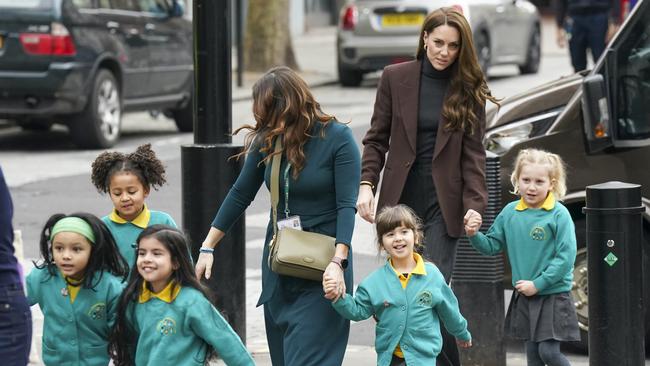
(588, 31)
(15, 325)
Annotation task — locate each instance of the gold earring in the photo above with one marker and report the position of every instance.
(426, 48)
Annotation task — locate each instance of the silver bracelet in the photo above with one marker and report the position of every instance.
(206, 250)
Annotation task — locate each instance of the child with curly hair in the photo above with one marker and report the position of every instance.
(128, 179)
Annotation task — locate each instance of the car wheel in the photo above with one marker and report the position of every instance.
(349, 77)
(184, 117)
(533, 55)
(99, 124)
(483, 51)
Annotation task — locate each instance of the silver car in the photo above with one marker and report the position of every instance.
(375, 33)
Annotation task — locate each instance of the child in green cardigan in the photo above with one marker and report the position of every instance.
(128, 179)
(538, 234)
(164, 316)
(77, 286)
(407, 296)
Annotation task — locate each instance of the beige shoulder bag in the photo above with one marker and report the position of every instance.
(295, 252)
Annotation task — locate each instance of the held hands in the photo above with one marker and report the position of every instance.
(526, 288)
(333, 282)
(560, 37)
(366, 203)
(463, 344)
(473, 221)
(204, 264)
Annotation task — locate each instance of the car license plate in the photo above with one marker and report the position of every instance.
(402, 20)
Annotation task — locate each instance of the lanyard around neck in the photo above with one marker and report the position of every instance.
(286, 190)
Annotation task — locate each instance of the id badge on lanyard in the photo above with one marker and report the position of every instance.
(292, 222)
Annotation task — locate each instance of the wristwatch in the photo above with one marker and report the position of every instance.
(342, 262)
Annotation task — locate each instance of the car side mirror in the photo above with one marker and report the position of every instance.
(596, 114)
(177, 9)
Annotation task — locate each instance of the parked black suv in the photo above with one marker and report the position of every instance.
(83, 63)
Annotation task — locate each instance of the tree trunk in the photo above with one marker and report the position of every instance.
(267, 41)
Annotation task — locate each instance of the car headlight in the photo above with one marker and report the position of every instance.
(503, 138)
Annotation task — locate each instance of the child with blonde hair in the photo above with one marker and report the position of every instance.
(538, 234)
(407, 296)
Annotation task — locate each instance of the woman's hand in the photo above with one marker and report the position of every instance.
(333, 282)
(463, 344)
(204, 265)
(473, 221)
(526, 288)
(366, 203)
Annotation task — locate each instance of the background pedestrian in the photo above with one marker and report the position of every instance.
(15, 318)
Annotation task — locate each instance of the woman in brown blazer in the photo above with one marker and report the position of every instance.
(426, 134)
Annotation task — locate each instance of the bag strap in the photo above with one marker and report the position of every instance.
(275, 177)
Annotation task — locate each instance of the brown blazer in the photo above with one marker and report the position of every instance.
(458, 167)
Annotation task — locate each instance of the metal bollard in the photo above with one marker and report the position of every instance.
(615, 273)
(478, 283)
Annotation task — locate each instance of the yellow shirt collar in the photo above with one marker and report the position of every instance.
(168, 294)
(141, 221)
(72, 286)
(419, 269)
(548, 204)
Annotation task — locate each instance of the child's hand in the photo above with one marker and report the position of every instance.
(526, 288)
(463, 344)
(473, 221)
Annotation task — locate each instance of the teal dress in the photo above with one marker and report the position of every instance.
(178, 333)
(324, 196)
(74, 333)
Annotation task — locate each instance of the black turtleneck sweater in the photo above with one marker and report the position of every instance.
(433, 87)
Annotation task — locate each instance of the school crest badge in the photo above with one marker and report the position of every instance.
(97, 311)
(167, 326)
(425, 298)
(538, 233)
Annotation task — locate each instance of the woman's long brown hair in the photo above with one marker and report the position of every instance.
(283, 107)
(468, 89)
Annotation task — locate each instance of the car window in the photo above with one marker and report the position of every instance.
(26, 4)
(125, 5)
(104, 4)
(83, 4)
(158, 7)
(633, 87)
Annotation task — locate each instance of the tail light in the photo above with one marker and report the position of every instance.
(349, 17)
(56, 43)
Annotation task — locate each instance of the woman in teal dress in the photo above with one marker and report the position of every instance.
(324, 173)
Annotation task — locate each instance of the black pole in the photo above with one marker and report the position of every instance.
(615, 255)
(240, 42)
(207, 174)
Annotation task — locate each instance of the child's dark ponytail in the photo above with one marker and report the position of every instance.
(143, 163)
(104, 255)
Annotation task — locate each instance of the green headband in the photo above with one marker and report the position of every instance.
(75, 225)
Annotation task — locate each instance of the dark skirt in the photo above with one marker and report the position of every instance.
(542, 317)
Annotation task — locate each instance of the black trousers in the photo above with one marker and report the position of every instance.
(420, 195)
